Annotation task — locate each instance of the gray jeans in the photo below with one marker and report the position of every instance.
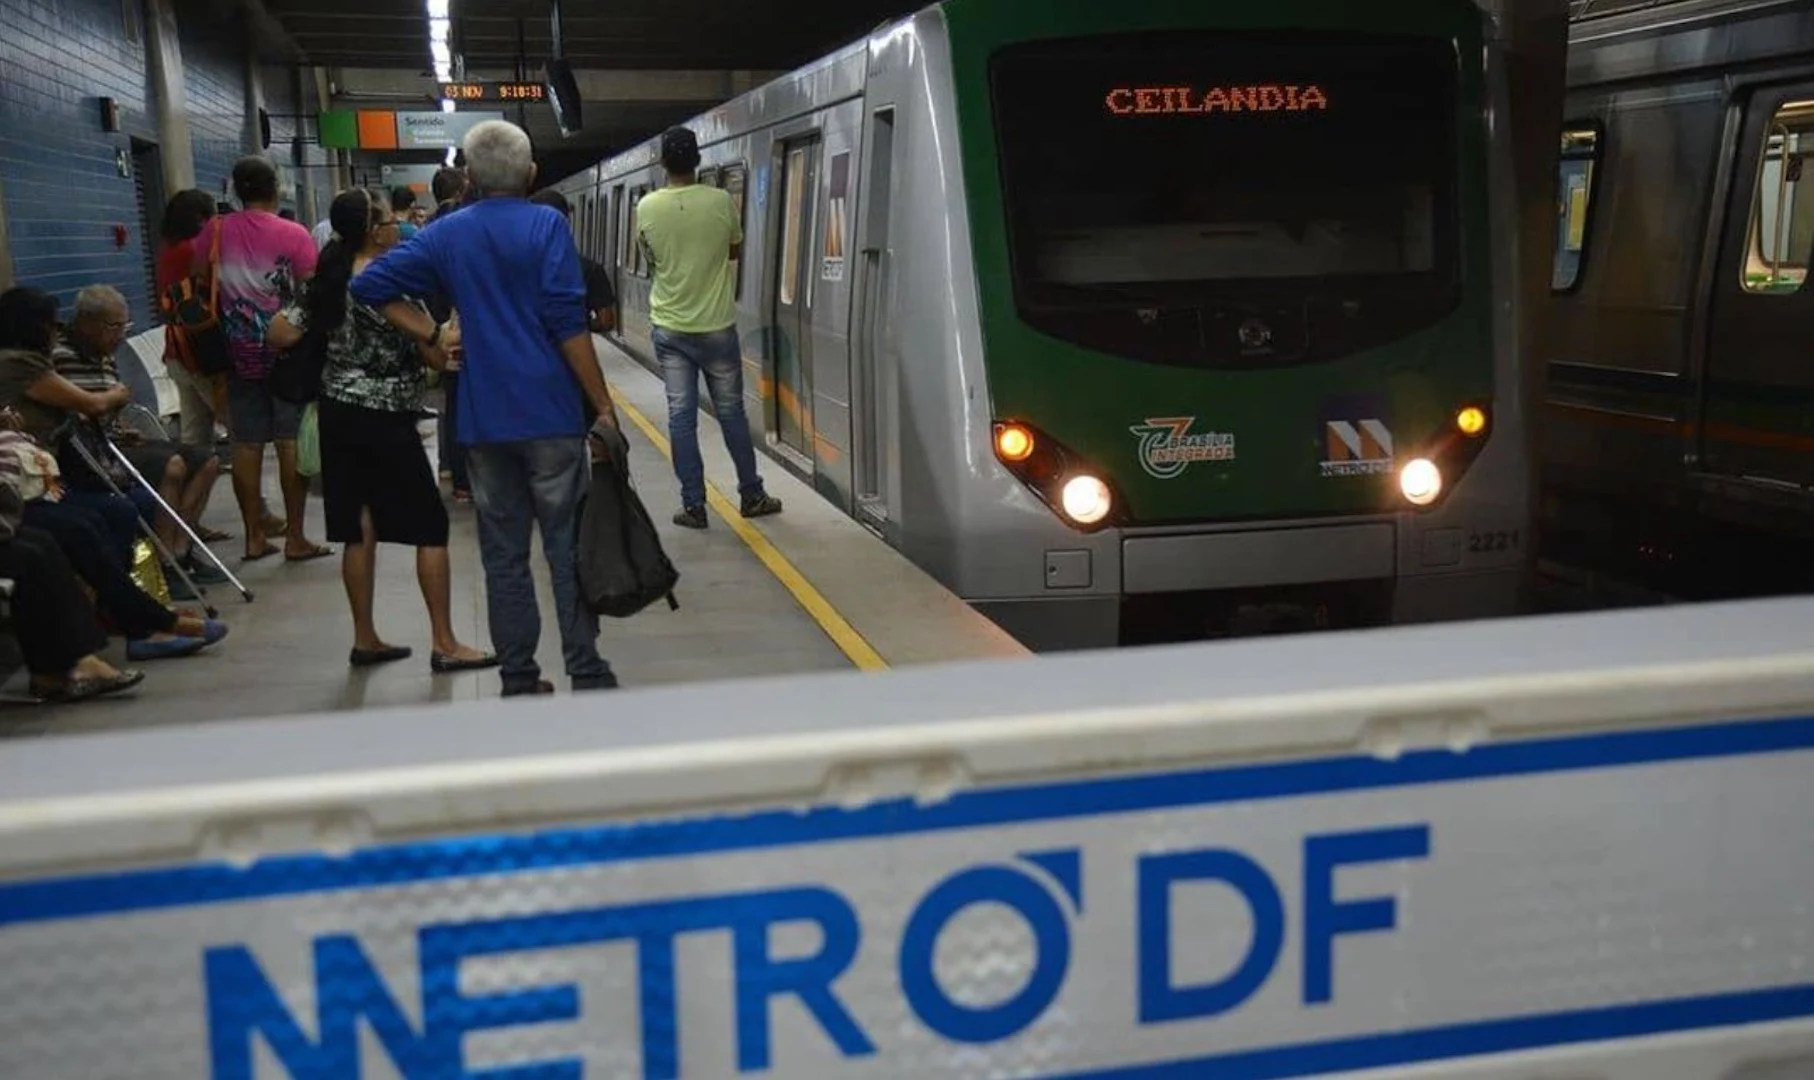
(514, 486)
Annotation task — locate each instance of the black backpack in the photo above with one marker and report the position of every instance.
(622, 567)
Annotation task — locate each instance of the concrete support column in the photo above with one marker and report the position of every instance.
(1533, 40)
(309, 180)
(255, 97)
(169, 98)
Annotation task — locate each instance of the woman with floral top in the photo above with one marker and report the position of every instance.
(375, 475)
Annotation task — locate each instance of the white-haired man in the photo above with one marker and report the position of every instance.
(512, 271)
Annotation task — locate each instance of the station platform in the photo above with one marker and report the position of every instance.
(808, 590)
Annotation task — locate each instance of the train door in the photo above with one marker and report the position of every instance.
(872, 374)
(791, 408)
(614, 255)
(1757, 410)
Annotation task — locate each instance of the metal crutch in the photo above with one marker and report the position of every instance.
(145, 424)
(194, 540)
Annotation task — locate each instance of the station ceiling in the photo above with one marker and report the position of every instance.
(617, 34)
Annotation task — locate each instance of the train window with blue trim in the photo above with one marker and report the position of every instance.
(1577, 170)
(1781, 244)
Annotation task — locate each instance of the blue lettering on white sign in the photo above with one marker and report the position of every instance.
(244, 1006)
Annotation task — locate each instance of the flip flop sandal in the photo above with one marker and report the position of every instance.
(270, 550)
(319, 551)
(88, 689)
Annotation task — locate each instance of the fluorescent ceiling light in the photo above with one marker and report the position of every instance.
(450, 156)
(439, 29)
(447, 106)
(443, 55)
(437, 9)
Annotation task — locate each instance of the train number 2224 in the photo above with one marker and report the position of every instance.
(1489, 542)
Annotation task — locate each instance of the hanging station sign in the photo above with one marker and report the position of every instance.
(437, 130)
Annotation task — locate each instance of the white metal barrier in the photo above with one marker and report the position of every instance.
(1570, 847)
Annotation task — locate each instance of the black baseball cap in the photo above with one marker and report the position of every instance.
(678, 142)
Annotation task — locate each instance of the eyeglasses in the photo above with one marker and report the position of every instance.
(122, 326)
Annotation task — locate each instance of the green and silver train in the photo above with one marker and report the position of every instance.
(1160, 314)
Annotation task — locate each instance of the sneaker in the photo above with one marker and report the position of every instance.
(583, 684)
(693, 517)
(179, 589)
(527, 687)
(761, 505)
(204, 573)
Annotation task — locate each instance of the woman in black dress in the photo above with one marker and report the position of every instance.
(375, 474)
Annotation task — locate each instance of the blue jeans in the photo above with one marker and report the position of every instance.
(683, 357)
(514, 486)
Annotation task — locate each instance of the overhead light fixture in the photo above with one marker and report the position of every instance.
(440, 29)
(442, 54)
(447, 106)
(437, 9)
(452, 155)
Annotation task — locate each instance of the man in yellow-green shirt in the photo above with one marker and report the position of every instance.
(693, 239)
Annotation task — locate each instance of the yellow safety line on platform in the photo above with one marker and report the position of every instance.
(845, 636)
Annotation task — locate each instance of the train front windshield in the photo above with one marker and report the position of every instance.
(1188, 170)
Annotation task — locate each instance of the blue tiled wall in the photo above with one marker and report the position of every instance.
(63, 190)
(215, 80)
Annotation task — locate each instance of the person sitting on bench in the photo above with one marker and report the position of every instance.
(55, 624)
(152, 631)
(184, 475)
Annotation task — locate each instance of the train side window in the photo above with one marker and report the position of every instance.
(1576, 172)
(735, 179)
(710, 177)
(1781, 243)
(636, 256)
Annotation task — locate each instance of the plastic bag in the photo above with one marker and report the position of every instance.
(148, 573)
(308, 443)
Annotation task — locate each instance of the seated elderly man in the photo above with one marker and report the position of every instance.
(185, 475)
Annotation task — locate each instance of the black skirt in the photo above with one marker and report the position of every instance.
(372, 460)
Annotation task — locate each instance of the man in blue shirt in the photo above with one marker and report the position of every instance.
(512, 271)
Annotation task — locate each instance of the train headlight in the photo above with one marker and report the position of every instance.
(1471, 421)
(1086, 499)
(1420, 481)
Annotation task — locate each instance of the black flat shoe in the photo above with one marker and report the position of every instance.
(374, 657)
(441, 664)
